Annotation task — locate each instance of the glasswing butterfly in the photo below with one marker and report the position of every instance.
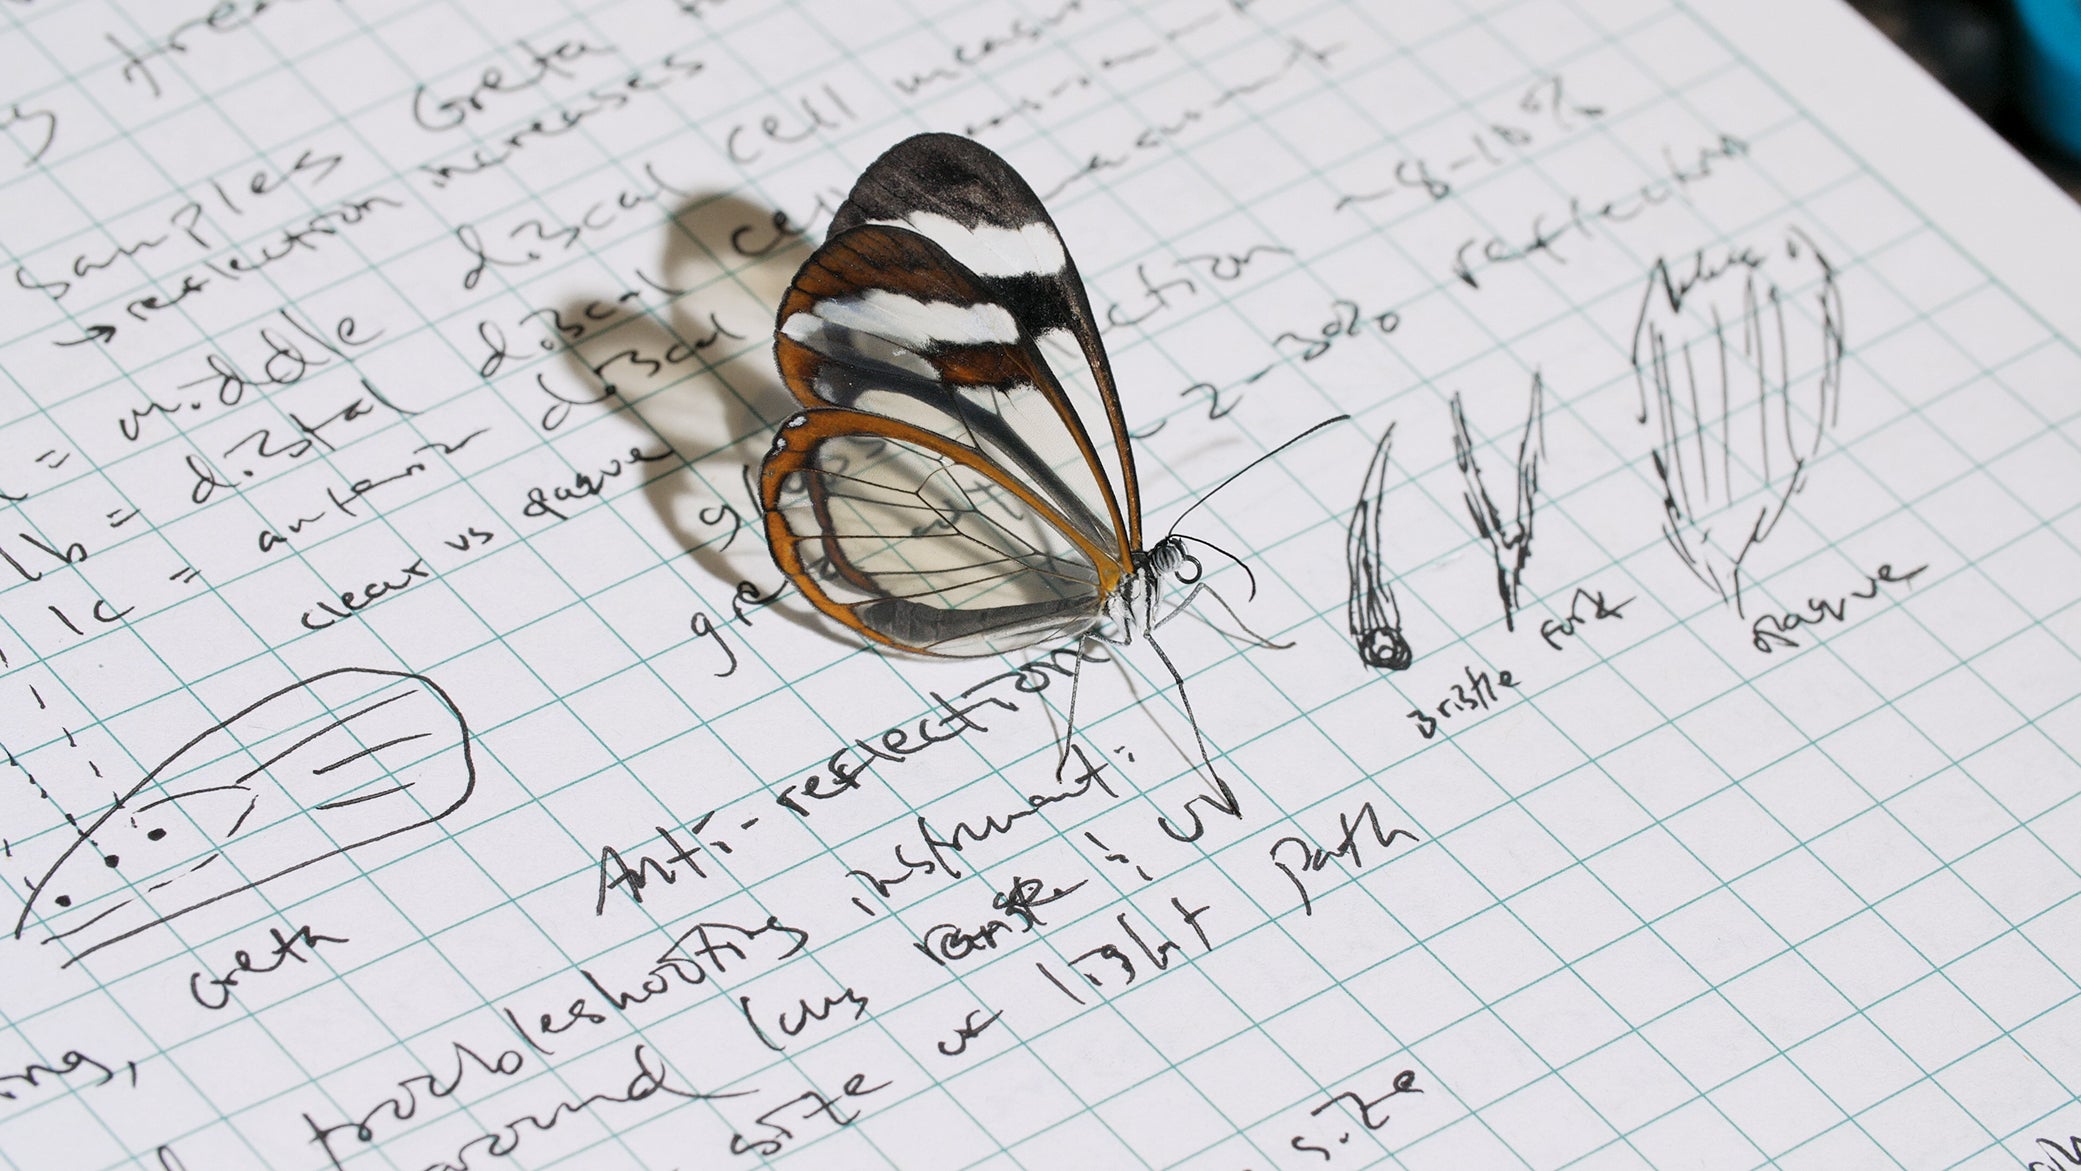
(940, 491)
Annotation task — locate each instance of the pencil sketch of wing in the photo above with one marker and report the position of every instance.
(1507, 533)
(339, 760)
(1371, 612)
(1739, 368)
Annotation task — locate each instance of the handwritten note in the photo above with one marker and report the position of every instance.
(1648, 725)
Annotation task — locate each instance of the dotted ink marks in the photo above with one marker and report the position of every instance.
(1115, 857)
(340, 747)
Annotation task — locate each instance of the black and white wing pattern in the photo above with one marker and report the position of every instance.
(962, 196)
(941, 492)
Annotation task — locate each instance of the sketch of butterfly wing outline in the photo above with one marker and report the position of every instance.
(940, 492)
(345, 758)
(1739, 364)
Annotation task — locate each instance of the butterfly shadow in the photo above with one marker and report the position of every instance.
(704, 317)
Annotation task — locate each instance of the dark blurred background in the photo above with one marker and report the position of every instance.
(1966, 45)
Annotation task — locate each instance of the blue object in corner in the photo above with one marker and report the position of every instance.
(2050, 59)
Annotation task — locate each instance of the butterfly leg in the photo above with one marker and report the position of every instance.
(1183, 604)
(1248, 635)
(1199, 584)
(1224, 798)
(1076, 680)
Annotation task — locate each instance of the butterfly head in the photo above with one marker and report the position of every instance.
(1166, 558)
(1134, 604)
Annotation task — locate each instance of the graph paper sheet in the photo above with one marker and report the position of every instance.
(1649, 723)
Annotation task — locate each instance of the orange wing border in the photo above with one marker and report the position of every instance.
(796, 444)
(952, 175)
(885, 256)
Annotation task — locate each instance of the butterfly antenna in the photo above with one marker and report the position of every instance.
(1240, 563)
(1253, 463)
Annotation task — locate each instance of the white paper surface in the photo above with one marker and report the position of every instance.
(414, 759)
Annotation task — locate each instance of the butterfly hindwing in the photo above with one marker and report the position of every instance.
(921, 542)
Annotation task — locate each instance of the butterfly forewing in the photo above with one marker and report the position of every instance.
(913, 541)
(882, 320)
(963, 197)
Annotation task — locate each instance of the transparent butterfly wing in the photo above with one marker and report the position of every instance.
(942, 492)
(920, 542)
(882, 320)
(965, 198)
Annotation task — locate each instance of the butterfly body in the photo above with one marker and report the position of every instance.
(1133, 607)
(940, 490)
